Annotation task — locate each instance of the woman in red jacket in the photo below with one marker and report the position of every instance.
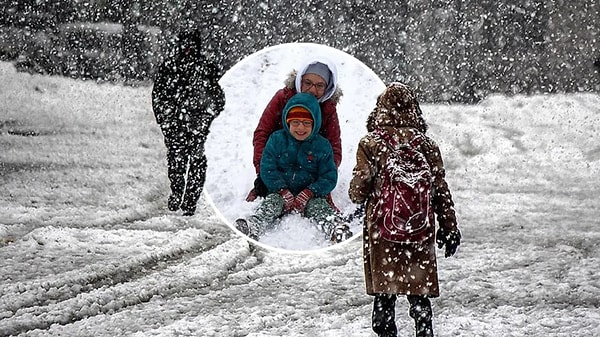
(318, 78)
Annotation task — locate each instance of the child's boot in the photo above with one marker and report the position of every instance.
(420, 311)
(384, 315)
(248, 228)
(340, 232)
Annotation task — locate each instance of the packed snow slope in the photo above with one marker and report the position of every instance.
(88, 248)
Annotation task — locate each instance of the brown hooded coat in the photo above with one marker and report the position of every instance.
(393, 268)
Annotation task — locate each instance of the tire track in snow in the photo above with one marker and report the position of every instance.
(40, 292)
(284, 293)
(211, 266)
(195, 291)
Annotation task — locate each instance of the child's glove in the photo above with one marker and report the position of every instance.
(450, 239)
(302, 199)
(288, 200)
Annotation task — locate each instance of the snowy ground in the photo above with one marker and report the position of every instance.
(89, 249)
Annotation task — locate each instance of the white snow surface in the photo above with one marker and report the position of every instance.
(88, 248)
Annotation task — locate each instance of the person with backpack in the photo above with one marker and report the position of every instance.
(298, 170)
(399, 177)
(186, 98)
(316, 77)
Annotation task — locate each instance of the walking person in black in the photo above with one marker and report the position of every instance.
(186, 98)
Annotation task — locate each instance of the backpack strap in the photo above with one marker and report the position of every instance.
(415, 141)
(389, 140)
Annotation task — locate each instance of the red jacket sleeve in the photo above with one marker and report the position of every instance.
(330, 129)
(269, 122)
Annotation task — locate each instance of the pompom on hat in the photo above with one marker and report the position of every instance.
(298, 113)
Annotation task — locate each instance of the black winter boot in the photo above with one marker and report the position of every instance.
(384, 315)
(420, 311)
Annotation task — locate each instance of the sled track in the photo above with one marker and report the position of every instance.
(43, 292)
(203, 269)
(94, 290)
(38, 306)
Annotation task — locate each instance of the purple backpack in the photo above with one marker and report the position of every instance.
(403, 211)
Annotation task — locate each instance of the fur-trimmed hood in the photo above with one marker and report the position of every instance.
(290, 82)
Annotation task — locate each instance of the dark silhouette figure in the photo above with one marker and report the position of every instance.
(186, 98)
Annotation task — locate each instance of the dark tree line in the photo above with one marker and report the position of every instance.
(451, 50)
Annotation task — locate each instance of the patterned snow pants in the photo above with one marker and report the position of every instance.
(317, 209)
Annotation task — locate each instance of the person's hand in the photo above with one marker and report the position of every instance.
(260, 188)
(302, 199)
(450, 239)
(332, 204)
(251, 196)
(288, 200)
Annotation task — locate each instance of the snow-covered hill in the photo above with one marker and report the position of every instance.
(89, 249)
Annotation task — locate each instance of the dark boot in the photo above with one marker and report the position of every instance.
(340, 233)
(247, 228)
(384, 315)
(420, 311)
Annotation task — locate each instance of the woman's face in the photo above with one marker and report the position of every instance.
(313, 84)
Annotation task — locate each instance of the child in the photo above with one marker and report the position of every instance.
(393, 268)
(298, 170)
(318, 78)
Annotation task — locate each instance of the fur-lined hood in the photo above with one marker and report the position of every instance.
(290, 82)
(397, 107)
